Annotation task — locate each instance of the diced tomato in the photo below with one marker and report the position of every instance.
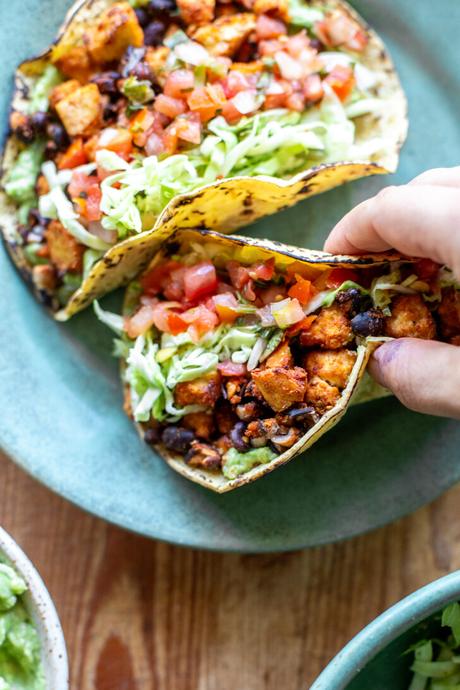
(170, 139)
(302, 290)
(249, 69)
(270, 47)
(248, 291)
(239, 275)
(339, 275)
(188, 127)
(200, 280)
(201, 320)
(267, 27)
(426, 269)
(171, 107)
(229, 368)
(226, 306)
(140, 322)
(263, 271)
(274, 293)
(277, 93)
(86, 192)
(296, 101)
(179, 83)
(176, 324)
(236, 81)
(75, 155)
(207, 101)
(298, 44)
(342, 80)
(93, 203)
(140, 124)
(231, 113)
(90, 147)
(154, 144)
(155, 280)
(313, 88)
(116, 139)
(337, 29)
(303, 325)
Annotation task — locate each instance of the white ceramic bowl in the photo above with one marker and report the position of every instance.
(43, 613)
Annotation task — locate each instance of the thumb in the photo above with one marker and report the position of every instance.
(423, 374)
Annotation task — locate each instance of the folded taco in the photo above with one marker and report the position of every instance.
(148, 116)
(239, 354)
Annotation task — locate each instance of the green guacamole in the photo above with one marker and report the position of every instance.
(20, 659)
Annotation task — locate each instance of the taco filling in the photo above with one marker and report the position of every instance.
(157, 100)
(229, 362)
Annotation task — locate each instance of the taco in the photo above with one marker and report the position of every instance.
(238, 354)
(146, 117)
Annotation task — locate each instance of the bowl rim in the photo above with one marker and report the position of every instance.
(43, 611)
(396, 620)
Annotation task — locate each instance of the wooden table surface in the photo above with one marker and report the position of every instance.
(142, 615)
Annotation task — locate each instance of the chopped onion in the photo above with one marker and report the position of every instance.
(289, 68)
(286, 440)
(274, 88)
(245, 102)
(316, 302)
(192, 53)
(256, 352)
(109, 236)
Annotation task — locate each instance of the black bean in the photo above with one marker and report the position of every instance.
(141, 71)
(316, 44)
(354, 300)
(130, 59)
(154, 33)
(36, 219)
(142, 16)
(22, 127)
(177, 438)
(161, 6)
(39, 122)
(57, 135)
(236, 437)
(110, 113)
(152, 435)
(305, 415)
(371, 322)
(106, 82)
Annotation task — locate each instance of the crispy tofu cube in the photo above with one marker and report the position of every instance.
(321, 394)
(81, 110)
(74, 62)
(201, 423)
(280, 8)
(333, 366)
(281, 357)
(196, 11)
(226, 34)
(65, 252)
(44, 277)
(63, 90)
(117, 29)
(331, 330)
(410, 318)
(449, 312)
(281, 387)
(202, 391)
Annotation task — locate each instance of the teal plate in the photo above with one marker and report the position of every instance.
(60, 398)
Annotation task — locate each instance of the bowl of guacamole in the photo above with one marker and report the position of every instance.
(414, 645)
(32, 647)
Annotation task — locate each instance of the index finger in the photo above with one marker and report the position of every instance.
(417, 220)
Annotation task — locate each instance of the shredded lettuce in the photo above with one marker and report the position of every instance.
(301, 14)
(383, 288)
(236, 463)
(111, 320)
(330, 297)
(20, 182)
(38, 100)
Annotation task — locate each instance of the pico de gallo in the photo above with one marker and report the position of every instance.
(229, 363)
(160, 98)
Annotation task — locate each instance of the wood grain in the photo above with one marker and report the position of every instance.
(142, 615)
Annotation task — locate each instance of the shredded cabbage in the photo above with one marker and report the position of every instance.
(38, 98)
(20, 181)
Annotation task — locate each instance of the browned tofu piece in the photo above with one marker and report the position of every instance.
(65, 252)
(202, 391)
(333, 366)
(204, 456)
(321, 394)
(116, 29)
(331, 330)
(449, 312)
(281, 357)
(226, 34)
(410, 318)
(63, 90)
(201, 423)
(74, 62)
(44, 277)
(279, 8)
(156, 60)
(281, 387)
(196, 11)
(81, 111)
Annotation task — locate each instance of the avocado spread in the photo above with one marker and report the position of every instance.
(20, 658)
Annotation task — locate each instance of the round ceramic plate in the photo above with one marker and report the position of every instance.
(60, 398)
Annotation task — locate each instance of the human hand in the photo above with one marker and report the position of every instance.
(420, 219)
